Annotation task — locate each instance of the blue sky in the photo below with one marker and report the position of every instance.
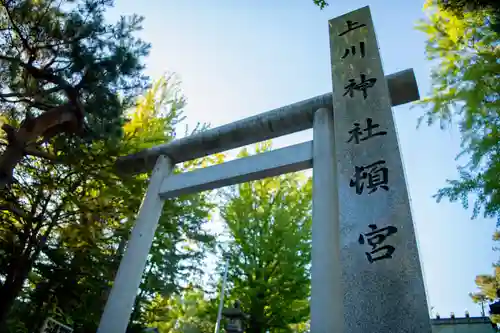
(238, 58)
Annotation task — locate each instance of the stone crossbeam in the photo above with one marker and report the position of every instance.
(275, 123)
(269, 164)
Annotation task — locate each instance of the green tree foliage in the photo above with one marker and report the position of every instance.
(488, 286)
(459, 7)
(269, 227)
(192, 311)
(66, 74)
(466, 89)
(64, 226)
(300, 327)
(321, 3)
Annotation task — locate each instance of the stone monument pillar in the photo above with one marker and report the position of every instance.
(382, 280)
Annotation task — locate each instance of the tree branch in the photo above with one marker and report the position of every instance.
(24, 41)
(11, 207)
(20, 95)
(37, 73)
(38, 153)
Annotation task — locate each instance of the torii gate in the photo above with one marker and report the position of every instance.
(355, 287)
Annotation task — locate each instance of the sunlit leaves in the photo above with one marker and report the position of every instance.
(156, 115)
(466, 90)
(269, 228)
(488, 285)
(191, 311)
(87, 212)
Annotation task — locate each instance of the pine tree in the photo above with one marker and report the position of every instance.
(65, 74)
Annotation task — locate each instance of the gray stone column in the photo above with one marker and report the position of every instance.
(121, 299)
(326, 292)
(381, 273)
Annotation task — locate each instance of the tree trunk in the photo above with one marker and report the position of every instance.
(256, 327)
(39, 309)
(61, 119)
(17, 274)
(257, 322)
(11, 289)
(12, 155)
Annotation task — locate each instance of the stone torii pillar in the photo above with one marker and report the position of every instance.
(327, 309)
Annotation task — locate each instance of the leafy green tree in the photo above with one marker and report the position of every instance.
(181, 243)
(44, 199)
(300, 327)
(466, 89)
(192, 311)
(64, 247)
(489, 286)
(269, 229)
(463, 42)
(459, 7)
(66, 75)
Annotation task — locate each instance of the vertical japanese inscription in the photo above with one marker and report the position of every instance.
(373, 175)
(379, 255)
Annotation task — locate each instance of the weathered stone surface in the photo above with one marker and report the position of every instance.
(326, 288)
(272, 124)
(241, 170)
(381, 273)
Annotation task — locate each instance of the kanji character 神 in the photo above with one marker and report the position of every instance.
(362, 86)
